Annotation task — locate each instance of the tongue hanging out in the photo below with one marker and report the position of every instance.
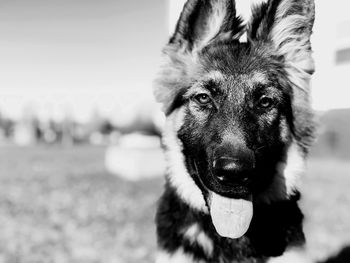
(231, 217)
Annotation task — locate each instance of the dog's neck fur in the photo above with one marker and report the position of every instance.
(274, 228)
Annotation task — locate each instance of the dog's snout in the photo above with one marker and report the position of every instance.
(233, 164)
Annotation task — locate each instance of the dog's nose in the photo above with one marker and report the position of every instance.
(234, 167)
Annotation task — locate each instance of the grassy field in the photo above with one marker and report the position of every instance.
(60, 205)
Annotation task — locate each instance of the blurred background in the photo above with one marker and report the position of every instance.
(80, 160)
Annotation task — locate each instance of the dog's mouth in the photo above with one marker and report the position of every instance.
(231, 217)
(230, 206)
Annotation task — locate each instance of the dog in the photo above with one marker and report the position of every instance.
(238, 128)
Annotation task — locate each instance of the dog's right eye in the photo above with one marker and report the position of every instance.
(265, 102)
(203, 98)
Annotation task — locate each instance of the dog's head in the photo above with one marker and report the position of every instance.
(238, 115)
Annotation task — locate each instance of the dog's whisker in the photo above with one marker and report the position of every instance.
(260, 148)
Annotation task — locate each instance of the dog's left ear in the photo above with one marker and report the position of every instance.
(285, 26)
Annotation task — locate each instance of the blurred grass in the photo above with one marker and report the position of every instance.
(60, 205)
(326, 205)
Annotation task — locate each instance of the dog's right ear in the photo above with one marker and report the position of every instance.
(201, 23)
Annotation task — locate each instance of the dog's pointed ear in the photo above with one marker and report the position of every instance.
(203, 21)
(286, 27)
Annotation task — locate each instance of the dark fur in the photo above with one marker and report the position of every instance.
(235, 112)
(274, 65)
(274, 227)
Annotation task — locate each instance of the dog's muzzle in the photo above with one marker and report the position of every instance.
(233, 164)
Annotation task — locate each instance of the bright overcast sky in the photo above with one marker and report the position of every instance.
(74, 55)
(79, 52)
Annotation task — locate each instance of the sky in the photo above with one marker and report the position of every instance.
(79, 52)
(69, 56)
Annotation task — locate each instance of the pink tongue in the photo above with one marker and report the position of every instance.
(231, 217)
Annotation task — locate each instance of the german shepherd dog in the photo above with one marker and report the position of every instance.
(238, 128)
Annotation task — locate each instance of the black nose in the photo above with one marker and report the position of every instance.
(233, 165)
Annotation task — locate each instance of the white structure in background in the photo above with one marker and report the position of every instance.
(331, 45)
(136, 157)
(24, 130)
(24, 134)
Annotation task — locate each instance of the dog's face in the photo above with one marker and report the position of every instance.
(237, 112)
(237, 121)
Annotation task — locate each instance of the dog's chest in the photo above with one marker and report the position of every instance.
(187, 234)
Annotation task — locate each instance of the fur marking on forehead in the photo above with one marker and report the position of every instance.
(255, 79)
(251, 80)
(215, 77)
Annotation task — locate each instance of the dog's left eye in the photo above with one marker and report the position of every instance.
(265, 102)
(202, 98)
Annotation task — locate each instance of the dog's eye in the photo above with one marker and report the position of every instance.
(202, 98)
(265, 102)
